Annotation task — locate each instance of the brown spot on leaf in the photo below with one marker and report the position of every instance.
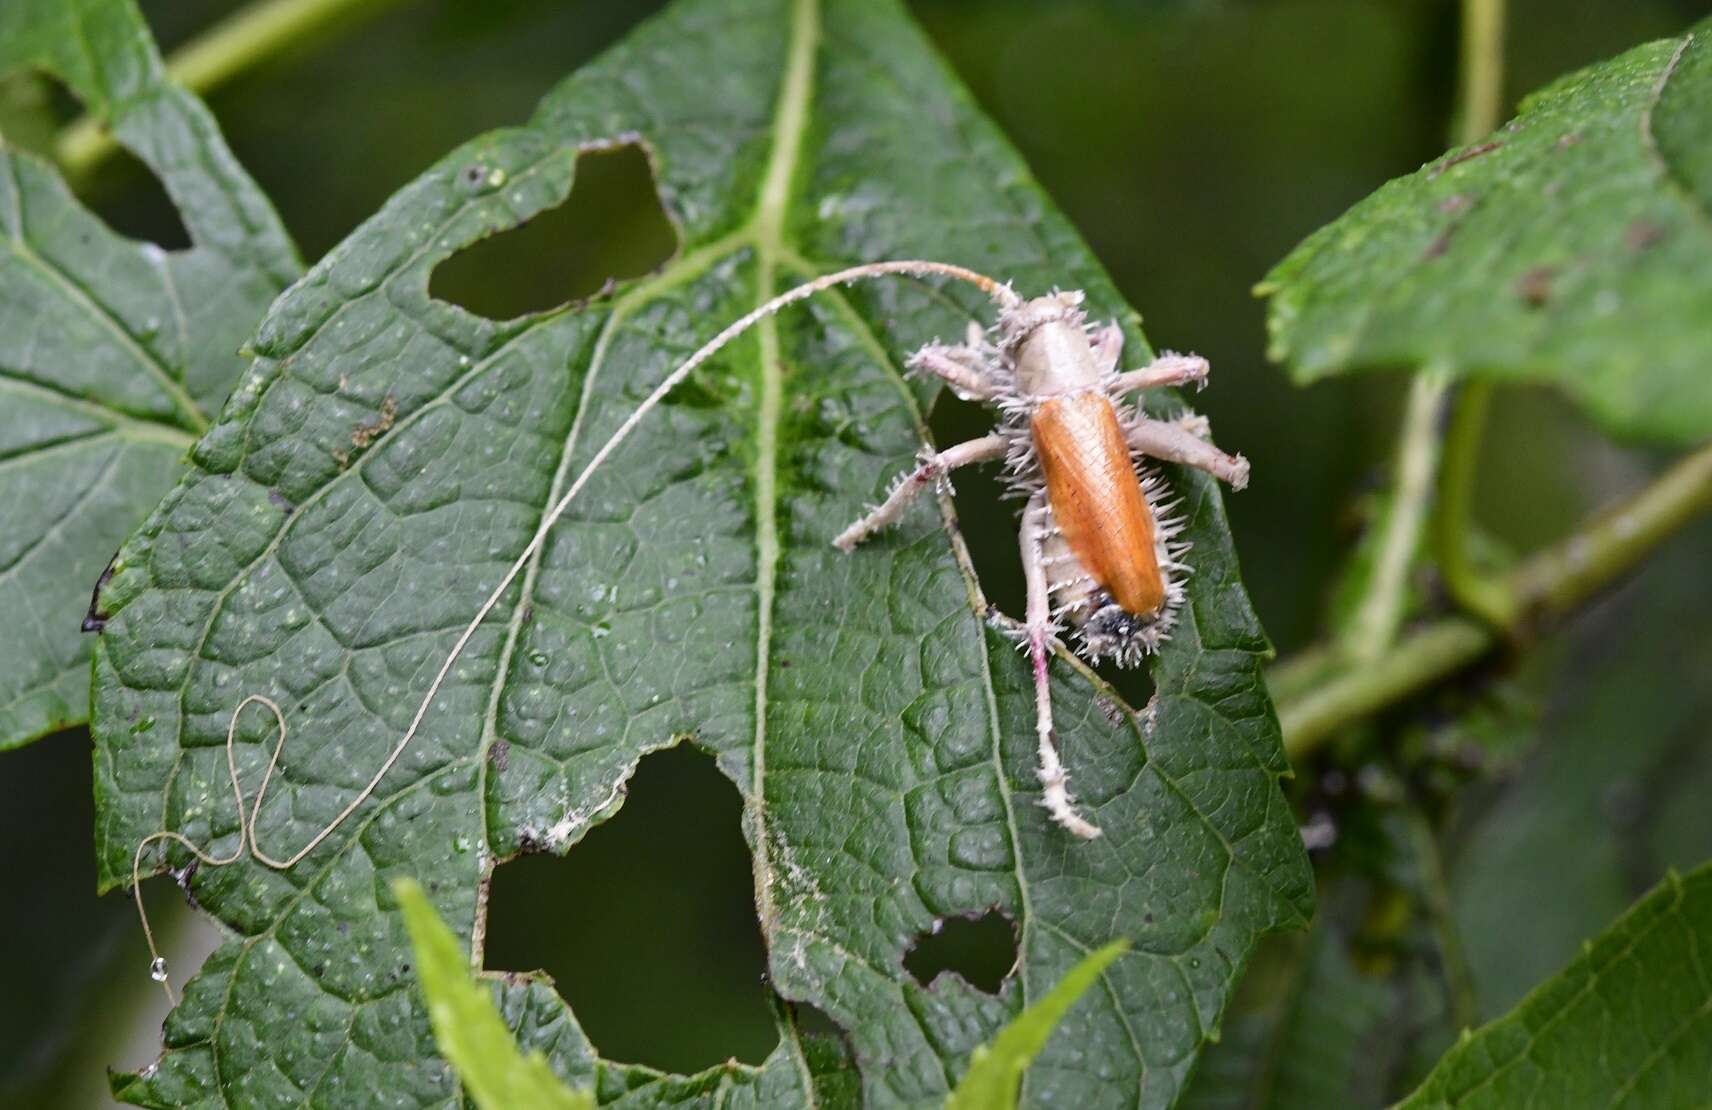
(1440, 243)
(1462, 156)
(364, 434)
(1569, 140)
(1641, 234)
(1455, 204)
(1535, 286)
(500, 755)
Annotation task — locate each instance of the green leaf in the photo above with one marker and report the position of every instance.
(467, 1027)
(1572, 247)
(388, 456)
(1628, 1023)
(1302, 1032)
(113, 353)
(1612, 792)
(996, 1070)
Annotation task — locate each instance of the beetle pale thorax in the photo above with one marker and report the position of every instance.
(1050, 348)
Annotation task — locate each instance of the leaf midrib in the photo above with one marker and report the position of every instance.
(130, 426)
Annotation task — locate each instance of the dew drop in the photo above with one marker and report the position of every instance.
(157, 969)
(538, 657)
(600, 630)
(142, 726)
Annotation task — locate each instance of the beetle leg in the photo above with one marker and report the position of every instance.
(1166, 370)
(934, 466)
(1107, 343)
(1054, 781)
(1174, 442)
(962, 368)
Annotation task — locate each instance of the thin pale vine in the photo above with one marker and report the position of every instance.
(999, 292)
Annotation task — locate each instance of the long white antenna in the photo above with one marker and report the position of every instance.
(1001, 293)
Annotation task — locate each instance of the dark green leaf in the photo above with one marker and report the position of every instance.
(113, 353)
(1301, 1034)
(1571, 247)
(1628, 1023)
(467, 1027)
(388, 456)
(1613, 792)
(995, 1071)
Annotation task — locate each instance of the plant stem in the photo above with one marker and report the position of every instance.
(1471, 590)
(1546, 587)
(254, 34)
(1482, 69)
(1373, 626)
(1482, 99)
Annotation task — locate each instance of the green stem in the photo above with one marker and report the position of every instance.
(1547, 587)
(1479, 111)
(1482, 69)
(1373, 626)
(1474, 592)
(254, 34)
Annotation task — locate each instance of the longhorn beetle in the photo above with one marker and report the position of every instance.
(1099, 551)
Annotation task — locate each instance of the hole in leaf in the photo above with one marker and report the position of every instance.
(131, 200)
(648, 926)
(610, 228)
(812, 1021)
(86, 956)
(983, 950)
(120, 189)
(827, 1051)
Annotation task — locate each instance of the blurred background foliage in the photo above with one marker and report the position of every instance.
(1466, 845)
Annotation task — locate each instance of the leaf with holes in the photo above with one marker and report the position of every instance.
(113, 353)
(996, 1070)
(1571, 247)
(467, 1027)
(388, 456)
(1628, 1023)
